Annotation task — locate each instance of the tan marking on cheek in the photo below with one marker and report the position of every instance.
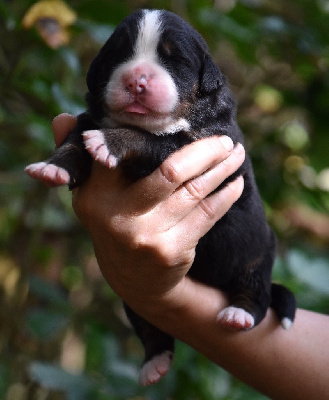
(185, 107)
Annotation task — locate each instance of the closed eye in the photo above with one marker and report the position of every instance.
(166, 48)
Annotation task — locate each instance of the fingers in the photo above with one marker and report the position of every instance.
(62, 125)
(196, 190)
(208, 211)
(176, 245)
(185, 164)
(200, 156)
(178, 222)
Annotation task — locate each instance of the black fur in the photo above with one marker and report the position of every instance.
(237, 254)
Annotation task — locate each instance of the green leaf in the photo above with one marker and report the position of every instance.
(45, 324)
(98, 32)
(65, 103)
(47, 291)
(76, 387)
(313, 272)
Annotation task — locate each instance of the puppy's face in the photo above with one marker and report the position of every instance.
(150, 72)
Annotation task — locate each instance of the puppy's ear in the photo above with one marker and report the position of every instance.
(96, 82)
(93, 74)
(211, 78)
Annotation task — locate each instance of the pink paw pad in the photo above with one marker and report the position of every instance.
(235, 318)
(50, 174)
(96, 146)
(154, 369)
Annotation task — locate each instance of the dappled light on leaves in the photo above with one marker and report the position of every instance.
(268, 99)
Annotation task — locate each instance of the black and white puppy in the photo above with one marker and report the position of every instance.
(153, 88)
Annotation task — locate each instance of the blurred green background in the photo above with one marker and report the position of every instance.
(62, 330)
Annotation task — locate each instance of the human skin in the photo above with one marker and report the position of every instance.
(144, 236)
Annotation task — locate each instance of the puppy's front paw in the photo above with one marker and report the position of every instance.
(50, 174)
(97, 147)
(235, 318)
(154, 369)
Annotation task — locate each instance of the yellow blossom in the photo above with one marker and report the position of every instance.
(51, 18)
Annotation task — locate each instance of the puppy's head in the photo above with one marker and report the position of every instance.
(150, 73)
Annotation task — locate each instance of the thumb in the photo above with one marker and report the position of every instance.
(62, 125)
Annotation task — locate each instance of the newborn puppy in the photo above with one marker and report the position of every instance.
(153, 88)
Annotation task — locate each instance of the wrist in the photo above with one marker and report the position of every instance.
(188, 305)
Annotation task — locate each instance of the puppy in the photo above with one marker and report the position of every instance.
(152, 89)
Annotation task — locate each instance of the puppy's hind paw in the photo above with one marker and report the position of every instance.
(154, 369)
(97, 147)
(235, 318)
(50, 174)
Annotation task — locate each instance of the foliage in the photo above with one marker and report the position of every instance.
(63, 333)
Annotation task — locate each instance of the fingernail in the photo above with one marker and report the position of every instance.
(227, 142)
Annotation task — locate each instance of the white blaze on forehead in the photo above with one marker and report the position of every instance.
(149, 33)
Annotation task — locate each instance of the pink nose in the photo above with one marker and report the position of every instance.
(135, 83)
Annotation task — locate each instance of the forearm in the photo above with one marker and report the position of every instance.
(280, 364)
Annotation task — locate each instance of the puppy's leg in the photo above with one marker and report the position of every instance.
(247, 310)
(96, 144)
(249, 296)
(159, 349)
(69, 164)
(110, 146)
(284, 304)
(138, 152)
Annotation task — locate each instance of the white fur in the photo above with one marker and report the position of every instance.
(49, 173)
(148, 36)
(178, 125)
(95, 144)
(286, 323)
(236, 318)
(154, 369)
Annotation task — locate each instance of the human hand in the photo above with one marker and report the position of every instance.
(145, 233)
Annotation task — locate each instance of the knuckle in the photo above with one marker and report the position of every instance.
(217, 150)
(125, 234)
(164, 253)
(187, 258)
(196, 188)
(149, 247)
(173, 256)
(170, 171)
(226, 166)
(137, 241)
(208, 208)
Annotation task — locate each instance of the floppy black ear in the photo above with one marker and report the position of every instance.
(96, 81)
(211, 78)
(94, 74)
